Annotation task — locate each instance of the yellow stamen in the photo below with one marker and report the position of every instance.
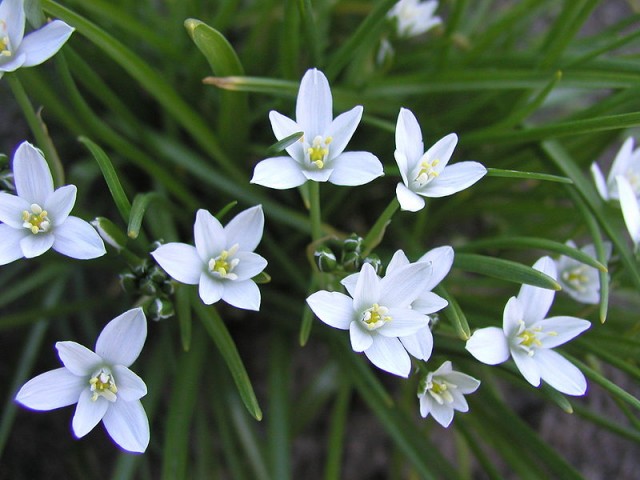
(103, 385)
(224, 264)
(375, 317)
(37, 220)
(319, 151)
(427, 171)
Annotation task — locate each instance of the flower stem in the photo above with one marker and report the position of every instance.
(314, 211)
(38, 129)
(377, 231)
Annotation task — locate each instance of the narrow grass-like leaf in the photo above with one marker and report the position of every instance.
(284, 143)
(248, 438)
(279, 412)
(254, 84)
(25, 286)
(183, 312)
(221, 337)
(455, 314)
(336, 435)
(504, 270)
(498, 172)
(140, 204)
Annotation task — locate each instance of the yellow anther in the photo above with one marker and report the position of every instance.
(102, 384)
(427, 171)
(375, 317)
(441, 391)
(319, 151)
(37, 220)
(223, 266)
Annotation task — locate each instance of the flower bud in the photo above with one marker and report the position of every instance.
(110, 233)
(160, 309)
(325, 259)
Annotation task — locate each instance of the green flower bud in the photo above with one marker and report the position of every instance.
(129, 283)
(375, 262)
(147, 287)
(110, 233)
(160, 309)
(352, 244)
(325, 259)
(351, 262)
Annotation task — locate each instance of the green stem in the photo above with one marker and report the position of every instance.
(314, 210)
(37, 128)
(377, 231)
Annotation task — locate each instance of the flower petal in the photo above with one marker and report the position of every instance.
(12, 13)
(341, 130)
(453, 179)
(128, 426)
(598, 179)
(88, 413)
(404, 285)
(428, 303)
(60, 203)
(409, 136)
(511, 317)
(76, 238)
(389, 355)
(560, 330)
(349, 283)
(536, 301)
(280, 173)
(622, 162)
(210, 289)
(404, 321)
(314, 104)
(425, 405)
(250, 265)
(489, 345)
(333, 308)
(420, 344)
(360, 338)
(283, 127)
(527, 365)
(409, 201)
(443, 414)
(180, 261)
(441, 259)
(355, 168)
(465, 383)
(398, 260)
(560, 373)
(44, 43)
(78, 359)
(242, 294)
(31, 174)
(403, 166)
(130, 386)
(367, 289)
(245, 229)
(50, 390)
(209, 235)
(122, 339)
(630, 208)
(10, 239)
(442, 151)
(35, 245)
(11, 208)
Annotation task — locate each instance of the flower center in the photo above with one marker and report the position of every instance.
(427, 171)
(576, 278)
(222, 266)
(319, 150)
(529, 338)
(440, 390)
(37, 220)
(375, 317)
(103, 385)
(5, 42)
(634, 180)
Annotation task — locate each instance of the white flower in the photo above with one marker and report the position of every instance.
(100, 383)
(38, 219)
(580, 281)
(424, 173)
(414, 17)
(630, 208)
(441, 392)
(222, 262)
(529, 338)
(420, 343)
(16, 50)
(318, 155)
(379, 312)
(626, 164)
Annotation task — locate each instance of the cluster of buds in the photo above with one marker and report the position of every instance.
(351, 256)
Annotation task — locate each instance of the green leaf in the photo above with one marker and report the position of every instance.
(284, 143)
(498, 172)
(455, 313)
(221, 337)
(140, 204)
(183, 311)
(504, 270)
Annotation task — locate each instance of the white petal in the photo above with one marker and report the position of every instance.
(245, 229)
(398, 260)
(76, 238)
(314, 104)
(11, 208)
(425, 405)
(404, 321)
(42, 44)
(527, 365)
(210, 289)
(442, 151)
(88, 413)
(403, 166)
(122, 339)
(489, 345)
(409, 201)
(355, 168)
(428, 303)
(420, 344)
(279, 173)
(404, 285)
(333, 308)
(10, 238)
(50, 390)
(251, 264)
(441, 259)
(561, 329)
(341, 130)
(630, 208)
(349, 282)
(367, 289)
(316, 175)
(536, 301)
(453, 179)
(622, 163)
(465, 383)
(560, 373)
(13, 64)
(31, 174)
(389, 355)
(60, 203)
(180, 261)
(409, 136)
(511, 317)
(12, 12)
(209, 235)
(128, 426)
(242, 294)
(598, 179)
(35, 245)
(360, 338)
(443, 414)
(130, 386)
(283, 127)
(78, 359)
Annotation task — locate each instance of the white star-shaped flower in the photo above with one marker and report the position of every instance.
(442, 392)
(378, 312)
(426, 174)
(529, 337)
(578, 280)
(38, 219)
(17, 50)
(627, 165)
(319, 155)
(414, 17)
(222, 262)
(100, 383)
